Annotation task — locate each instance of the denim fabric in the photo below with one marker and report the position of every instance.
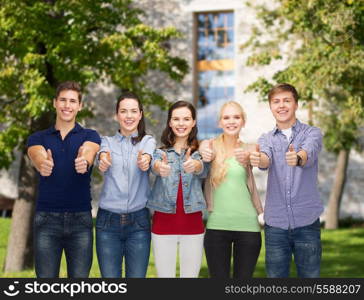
(55, 232)
(164, 191)
(126, 188)
(119, 236)
(303, 242)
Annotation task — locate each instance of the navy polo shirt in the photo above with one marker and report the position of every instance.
(64, 190)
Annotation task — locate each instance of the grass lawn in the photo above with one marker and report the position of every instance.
(342, 255)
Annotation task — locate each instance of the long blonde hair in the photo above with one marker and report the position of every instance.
(218, 165)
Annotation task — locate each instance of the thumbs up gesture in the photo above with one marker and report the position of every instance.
(104, 161)
(291, 156)
(46, 166)
(81, 164)
(241, 155)
(189, 166)
(164, 168)
(207, 152)
(255, 157)
(143, 161)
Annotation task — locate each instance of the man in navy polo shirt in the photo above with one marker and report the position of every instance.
(63, 155)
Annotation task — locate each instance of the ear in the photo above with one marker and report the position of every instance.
(116, 118)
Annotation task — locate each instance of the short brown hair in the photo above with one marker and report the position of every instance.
(283, 87)
(69, 85)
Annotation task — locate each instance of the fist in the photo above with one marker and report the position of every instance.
(46, 167)
(164, 167)
(143, 161)
(104, 161)
(207, 153)
(291, 156)
(255, 157)
(242, 156)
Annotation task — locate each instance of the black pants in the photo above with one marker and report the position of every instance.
(245, 245)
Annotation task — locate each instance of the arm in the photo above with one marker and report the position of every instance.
(41, 159)
(311, 147)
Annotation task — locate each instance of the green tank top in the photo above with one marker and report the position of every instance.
(233, 209)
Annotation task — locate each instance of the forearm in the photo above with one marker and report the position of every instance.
(37, 155)
(90, 151)
(303, 155)
(264, 161)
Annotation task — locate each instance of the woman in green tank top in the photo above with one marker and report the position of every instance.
(232, 199)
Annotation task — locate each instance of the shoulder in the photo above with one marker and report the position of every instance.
(308, 129)
(148, 139)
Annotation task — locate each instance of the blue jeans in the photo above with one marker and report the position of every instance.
(303, 242)
(55, 232)
(123, 235)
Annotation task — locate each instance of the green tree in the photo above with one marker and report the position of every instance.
(321, 46)
(45, 42)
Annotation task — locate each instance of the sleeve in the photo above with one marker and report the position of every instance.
(149, 145)
(157, 155)
(34, 140)
(264, 147)
(93, 136)
(105, 146)
(312, 145)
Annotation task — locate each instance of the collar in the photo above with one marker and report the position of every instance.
(75, 129)
(121, 136)
(295, 127)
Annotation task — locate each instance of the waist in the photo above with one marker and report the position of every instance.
(124, 217)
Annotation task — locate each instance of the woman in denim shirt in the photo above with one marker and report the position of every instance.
(123, 221)
(177, 197)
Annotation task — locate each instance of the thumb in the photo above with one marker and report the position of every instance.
(210, 143)
(257, 148)
(80, 151)
(164, 158)
(108, 156)
(49, 155)
(140, 153)
(290, 148)
(188, 154)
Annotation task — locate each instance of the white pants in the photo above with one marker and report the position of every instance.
(165, 254)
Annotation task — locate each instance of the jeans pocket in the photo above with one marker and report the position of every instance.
(143, 222)
(40, 219)
(86, 219)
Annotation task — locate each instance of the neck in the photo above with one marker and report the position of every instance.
(180, 144)
(126, 133)
(64, 127)
(230, 140)
(286, 125)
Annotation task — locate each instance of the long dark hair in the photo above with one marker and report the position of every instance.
(168, 138)
(141, 125)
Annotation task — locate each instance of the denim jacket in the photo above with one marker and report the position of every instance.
(164, 192)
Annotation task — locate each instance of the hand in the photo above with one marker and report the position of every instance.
(143, 161)
(291, 156)
(164, 168)
(189, 166)
(81, 162)
(241, 156)
(46, 167)
(255, 157)
(104, 161)
(207, 153)
(261, 219)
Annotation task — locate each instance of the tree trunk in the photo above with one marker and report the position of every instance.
(333, 209)
(20, 244)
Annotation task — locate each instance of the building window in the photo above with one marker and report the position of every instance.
(214, 68)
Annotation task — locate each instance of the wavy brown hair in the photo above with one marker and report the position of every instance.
(168, 138)
(141, 124)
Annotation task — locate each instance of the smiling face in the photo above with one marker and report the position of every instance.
(128, 116)
(181, 122)
(283, 107)
(67, 105)
(231, 120)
